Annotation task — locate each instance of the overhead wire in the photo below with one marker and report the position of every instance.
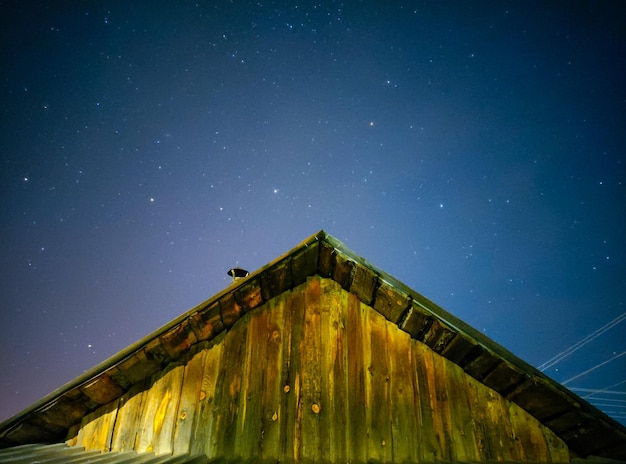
(576, 346)
(594, 368)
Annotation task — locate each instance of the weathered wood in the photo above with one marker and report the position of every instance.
(227, 402)
(402, 396)
(461, 417)
(204, 437)
(160, 411)
(315, 374)
(310, 406)
(334, 375)
(127, 428)
(178, 340)
(304, 263)
(96, 429)
(207, 323)
(272, 389)
(293, 326)
(377, 397)
(391, 302)
(364, 284)
(357, 429)
(102, 389)
(276, 280)
(189, 400)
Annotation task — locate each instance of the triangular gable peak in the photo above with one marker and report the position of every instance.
(149, 369)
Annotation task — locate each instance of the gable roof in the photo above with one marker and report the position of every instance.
(585, 429)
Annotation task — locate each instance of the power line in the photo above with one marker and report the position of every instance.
(594, 368)
(595, 391)
(576, 346)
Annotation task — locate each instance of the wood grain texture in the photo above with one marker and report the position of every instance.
(315, 374)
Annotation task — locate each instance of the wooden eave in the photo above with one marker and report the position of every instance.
(586, 430)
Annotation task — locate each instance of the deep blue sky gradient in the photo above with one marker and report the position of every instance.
(473, 150)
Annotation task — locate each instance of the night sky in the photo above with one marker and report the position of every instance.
(476, 151)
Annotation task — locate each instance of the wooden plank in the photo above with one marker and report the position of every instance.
(189, 401)
(482, 364)
(127, 426)
(390, 302)
(402, 396)
(160, 408)
(334, 379)
(230, 310)
(541, 399)
(249, 435)
(207, 322)
(205, 436)
(249, 296)
(504, 378)
(327, 260)
(357, 430)
(378, 415)
(276, 279)
(559, 451)
(228, 390)
(309, 405)
(290, 427)
(102, 389)
(416, 323)
(364, 284)
(527, 431)
(501, 439)
(438, 336)
(461, 423)
(440, 404)
(178, 340)
(96, 429)
(272, 386)
(429, 424)
(344, 271)
(304, 263)
(461, 350)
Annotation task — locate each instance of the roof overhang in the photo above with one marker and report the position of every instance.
(585, 429)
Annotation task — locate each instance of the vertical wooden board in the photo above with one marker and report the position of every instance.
(127, 424)
(290, 427)
(228, 390)
(189, 402)
(378, 414)
(357, 431)
(481, 426)
(431, 428)
(528, 433)
(249, 433)
(501, 439)
(310, 406)
(404, 429)
(96, 429)
(559, 451)
(461, 423)
(205, 437)
(272, 388)
(161, 406)
(334, 381)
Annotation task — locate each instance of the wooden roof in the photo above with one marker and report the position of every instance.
(585, 429)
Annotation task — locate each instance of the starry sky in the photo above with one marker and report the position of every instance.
(475, 151)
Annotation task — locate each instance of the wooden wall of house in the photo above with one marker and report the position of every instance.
(316, 374)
